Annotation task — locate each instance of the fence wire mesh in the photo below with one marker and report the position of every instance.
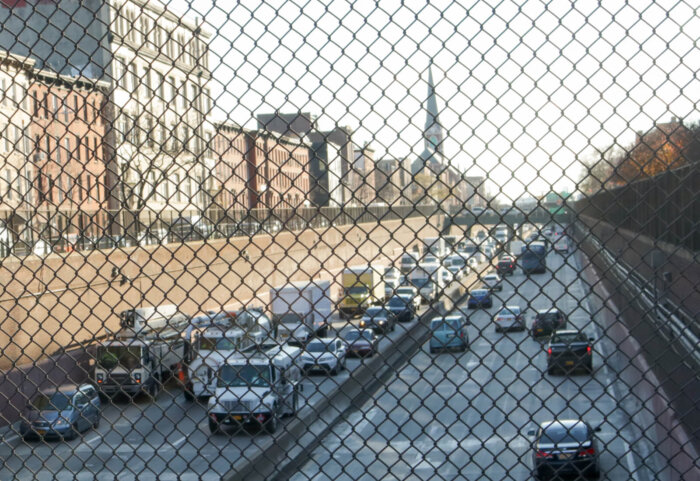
(349, 240)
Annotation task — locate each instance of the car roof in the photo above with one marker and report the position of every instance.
(567, 331)
(511, 308)
(552, 310)
(480, 291)
(563, 424)
(323, 340)
(64, 388)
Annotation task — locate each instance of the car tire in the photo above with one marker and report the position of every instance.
(271, 424)
(550, 371)
(214, 427)
(463, 348)
(96, 424)
(432, 351)
(335, 370)
(189, 396)
(589, 368)
(72, 433)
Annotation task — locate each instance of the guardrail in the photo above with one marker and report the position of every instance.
(671, 321)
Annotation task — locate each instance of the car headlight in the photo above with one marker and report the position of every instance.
(363, 323)
(61, 422)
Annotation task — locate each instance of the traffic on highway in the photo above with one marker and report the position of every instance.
(181, 393)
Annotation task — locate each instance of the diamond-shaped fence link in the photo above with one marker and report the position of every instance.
(349, 240)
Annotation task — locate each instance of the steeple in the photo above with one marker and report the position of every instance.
(433, 134)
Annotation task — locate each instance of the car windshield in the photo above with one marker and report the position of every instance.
(291, 318)
(443, 324)
(244, 375)
(421, 282)
(567, 337)
(356, 290)
(548, 316)
(321, 347)
(128, 357)
(405, 292)
(217, 344)
(355, 335)
(397, 301)
(479, 293)
(376, 312)
(558, 434)
(53, 402)
(491, 278)
(506, 312)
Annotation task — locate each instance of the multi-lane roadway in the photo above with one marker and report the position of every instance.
(467, 415)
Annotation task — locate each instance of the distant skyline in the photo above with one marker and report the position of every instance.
(524, 90)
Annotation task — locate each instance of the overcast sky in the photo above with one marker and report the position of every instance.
(525, 88)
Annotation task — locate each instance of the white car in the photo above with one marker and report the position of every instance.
(493, 282)
(412, 292)
(324, 354)
(510, 318)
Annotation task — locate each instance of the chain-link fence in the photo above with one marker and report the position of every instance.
(349, 240)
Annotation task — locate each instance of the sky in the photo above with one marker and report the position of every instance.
(527, 89)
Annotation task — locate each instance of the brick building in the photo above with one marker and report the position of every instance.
(259, 169)
(52, 131)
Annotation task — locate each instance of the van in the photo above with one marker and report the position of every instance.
(448, 332)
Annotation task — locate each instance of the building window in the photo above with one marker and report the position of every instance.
(160, 85)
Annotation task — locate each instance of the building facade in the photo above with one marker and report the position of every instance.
(362, 177)
(259, 169)
(157, 64)
(53, 170)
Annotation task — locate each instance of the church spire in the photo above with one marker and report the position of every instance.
(433, 133)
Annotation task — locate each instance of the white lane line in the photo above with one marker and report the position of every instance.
(96, 438)
(632, 466)
(181, 440)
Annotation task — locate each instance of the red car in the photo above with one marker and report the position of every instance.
(361, 342)
(506, 266)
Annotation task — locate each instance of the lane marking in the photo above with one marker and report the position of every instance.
(632, 466)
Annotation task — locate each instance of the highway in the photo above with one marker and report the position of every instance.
(466, 416)
(168, 439)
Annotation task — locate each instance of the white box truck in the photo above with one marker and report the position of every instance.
(150, 345)
(301, 310)
(210, 347)
(257, 388)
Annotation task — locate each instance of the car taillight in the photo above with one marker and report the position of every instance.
(549, 351)
(543, 454)
(589, 350)
(587, 452)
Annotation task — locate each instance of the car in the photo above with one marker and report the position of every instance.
(569, 350)
(479, 298)
(408, 263)
(506, 266)
(62, 412)
(509, 318)
(410, 292)
(565, 447)
(430, 259)
(361, 342)
(379, 319)
(547, 321)
(402, 307)
(325, 354)
(492, 282)
(448, 332)
(456, 265)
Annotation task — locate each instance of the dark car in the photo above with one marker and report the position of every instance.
(568, 351)
(506, 266)
(62, 412)
(479, 298)
(565, 447)
(379, 319)
(361, 342)
(402, 307)
(547, 321)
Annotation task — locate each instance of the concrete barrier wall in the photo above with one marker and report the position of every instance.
(52, 302)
